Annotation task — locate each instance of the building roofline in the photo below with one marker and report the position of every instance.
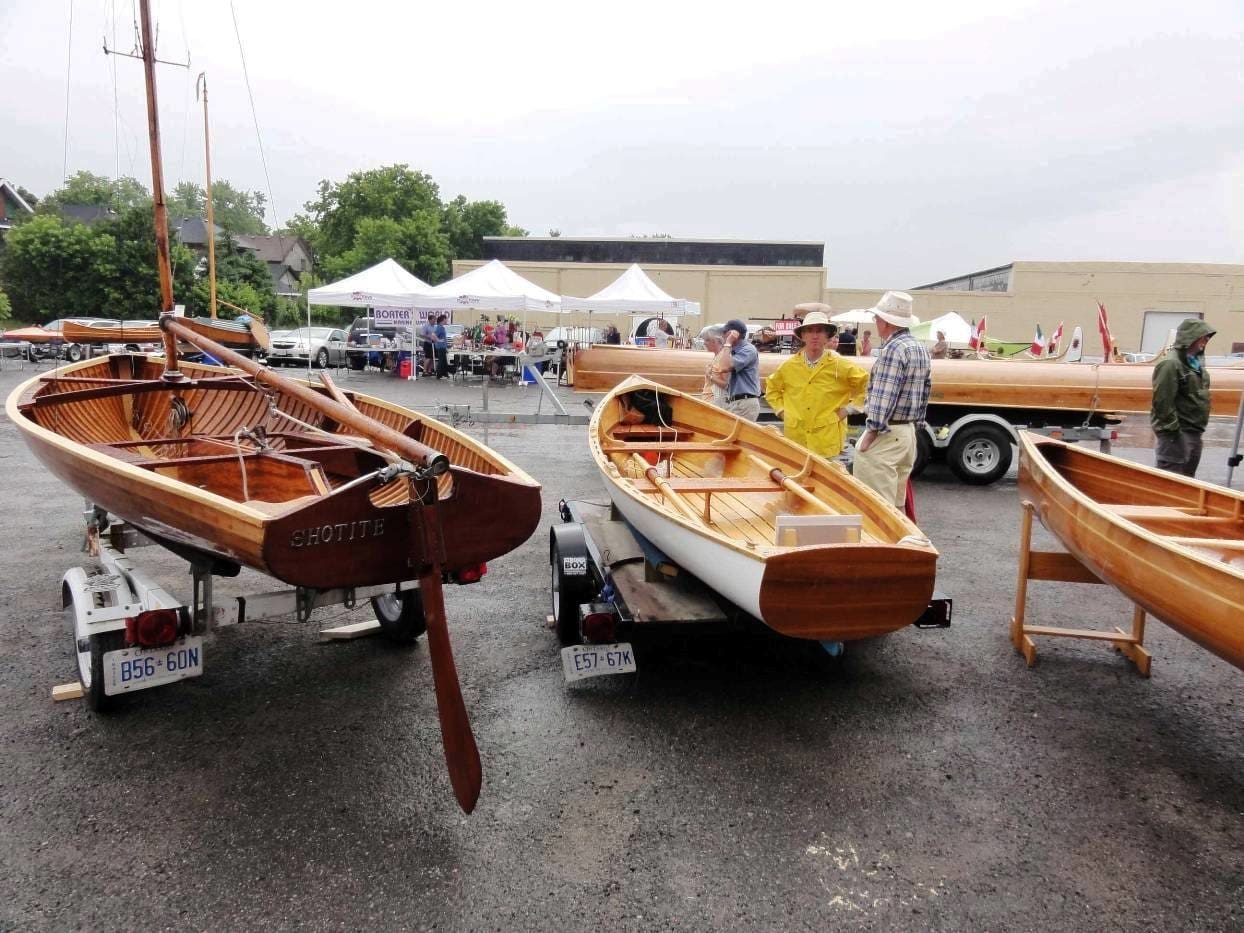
(966, 275)
(656, 239)
(5, 183)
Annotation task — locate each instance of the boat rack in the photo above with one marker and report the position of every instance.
(102, 603)
(1061, 567)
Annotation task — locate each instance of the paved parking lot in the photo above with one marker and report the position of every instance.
(928, 781)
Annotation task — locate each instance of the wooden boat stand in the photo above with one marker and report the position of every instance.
(1062, 567)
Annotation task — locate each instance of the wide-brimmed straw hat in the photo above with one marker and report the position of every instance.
(814, 318)
(895, 308)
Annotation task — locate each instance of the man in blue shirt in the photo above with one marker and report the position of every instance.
(743, 390)
(898, 396)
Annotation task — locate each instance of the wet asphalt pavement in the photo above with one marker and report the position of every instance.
(927, 781)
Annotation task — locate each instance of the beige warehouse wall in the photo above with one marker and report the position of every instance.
(1041, 293)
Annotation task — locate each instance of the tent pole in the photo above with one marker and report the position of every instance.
(1234, 460)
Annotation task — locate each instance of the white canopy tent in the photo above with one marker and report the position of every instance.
(633, 293)
(492, 287)
(958, 331)
(856, 316)
(384, 285)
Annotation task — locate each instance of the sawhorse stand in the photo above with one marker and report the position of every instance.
(1063, 567)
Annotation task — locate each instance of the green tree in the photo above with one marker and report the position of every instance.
(416, 242)
(466, 223)
(240, 274)
(235, 210)
(126, 266)
(51, 268)
(393, 191)
(118, 195)
(29, 197)
(6, 306)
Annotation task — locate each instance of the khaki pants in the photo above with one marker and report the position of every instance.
(887, 464)
(748, 408)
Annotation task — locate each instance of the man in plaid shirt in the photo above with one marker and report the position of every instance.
(898, 394)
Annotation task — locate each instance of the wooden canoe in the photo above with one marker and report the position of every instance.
(112, 333)
(248, 335)
(303, 501)
(1030, 384)
(731, 484)
(1172, 545)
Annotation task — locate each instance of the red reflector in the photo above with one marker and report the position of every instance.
(152, 628)
(470, 574)
(598, 628)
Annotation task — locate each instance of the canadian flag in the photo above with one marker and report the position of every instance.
(1054, 338)
(1103, 326)
(977, 340)
(1038, 342)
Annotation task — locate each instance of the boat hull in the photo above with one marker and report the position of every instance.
(1032, 384)
(829, 591)
(1084, 498)
(364, 533)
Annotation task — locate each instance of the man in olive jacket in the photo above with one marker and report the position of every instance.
(1180, 409)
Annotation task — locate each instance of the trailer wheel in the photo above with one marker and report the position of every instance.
(73, 353)
(924, 452)
(89, 652)
(400, 616)
(568, 551)
(980, 454)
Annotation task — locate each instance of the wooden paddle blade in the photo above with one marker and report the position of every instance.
(461, 754)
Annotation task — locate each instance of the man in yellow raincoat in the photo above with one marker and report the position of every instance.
(812, 389)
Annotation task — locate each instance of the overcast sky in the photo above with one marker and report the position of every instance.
(916, 140)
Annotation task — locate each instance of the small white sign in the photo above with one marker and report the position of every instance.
(582, 661)
(574, 566)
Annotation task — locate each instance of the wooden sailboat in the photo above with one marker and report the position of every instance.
(120, 332)
(318, 487)
(1017, 384)
(1172, 545)
(784, 534)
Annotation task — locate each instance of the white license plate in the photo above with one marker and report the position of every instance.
(580, 661)
(139, 668)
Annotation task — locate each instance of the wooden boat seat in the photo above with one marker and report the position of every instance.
(684, 447)
(655, 431)
(711, 484)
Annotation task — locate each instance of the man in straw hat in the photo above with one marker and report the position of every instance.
(811, 390)
(743, 390)
(898, 395)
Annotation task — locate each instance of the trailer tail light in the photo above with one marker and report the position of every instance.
(598, 624)
(1114, 435)
(470, 574)
(153, 628)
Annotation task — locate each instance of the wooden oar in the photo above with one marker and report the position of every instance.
(383, 436)
(336, 392)
(789, 484)
(662, 484)
(461, 753)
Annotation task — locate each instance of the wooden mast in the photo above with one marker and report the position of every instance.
(211, 223)
(163, 260)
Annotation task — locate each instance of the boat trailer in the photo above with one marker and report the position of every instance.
(608, 582)
(131, 634)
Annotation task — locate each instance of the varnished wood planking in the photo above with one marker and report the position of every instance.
(1191, 589)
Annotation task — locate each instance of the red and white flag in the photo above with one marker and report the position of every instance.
(1054, 338)
(1103, 327)
(977, 340)
(1038, 342)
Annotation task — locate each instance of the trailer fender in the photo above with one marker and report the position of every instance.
(945, 437)
(571, 581)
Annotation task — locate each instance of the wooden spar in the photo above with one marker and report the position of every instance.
(435, 461)
(336, 392)
(163, 261)
(789, 484)
(211, 224)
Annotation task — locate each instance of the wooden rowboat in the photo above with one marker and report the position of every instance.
(221, 464)
(247, 335)
(753, 515)
(111, 333)
(1016, 384)
(1172, 545)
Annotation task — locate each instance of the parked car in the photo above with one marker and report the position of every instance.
(365, 334)
(46, 341)
(325, 346)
